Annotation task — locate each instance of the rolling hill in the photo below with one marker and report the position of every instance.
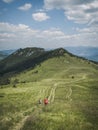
(70, 83)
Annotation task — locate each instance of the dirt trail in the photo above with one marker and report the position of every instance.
(51, 97)
(81, 86)
(69, 93)
(52, 93)
(19, 125)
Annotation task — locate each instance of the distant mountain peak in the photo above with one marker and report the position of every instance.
(26, 52)
(61, 51)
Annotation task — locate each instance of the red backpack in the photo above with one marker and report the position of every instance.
(45, 101)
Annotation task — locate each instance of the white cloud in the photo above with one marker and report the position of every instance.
(6, 35)
(16, 36)
(51, 4)
(53, 33)
(7, 1)
(80, 11)
(25, 7)
(40, 16)
(77, 16)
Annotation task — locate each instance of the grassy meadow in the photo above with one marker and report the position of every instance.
(71, 85)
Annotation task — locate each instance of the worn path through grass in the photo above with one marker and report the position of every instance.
(65, 96)
(49, 91)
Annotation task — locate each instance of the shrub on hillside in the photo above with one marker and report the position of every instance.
(16, 81)
(4, 81)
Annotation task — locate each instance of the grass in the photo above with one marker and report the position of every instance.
(73, 103)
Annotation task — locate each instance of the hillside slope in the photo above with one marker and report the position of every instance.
(20, 60)
(69, 82)
(58, 64)
(27, 58)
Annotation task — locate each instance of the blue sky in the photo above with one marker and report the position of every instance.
(48, 23)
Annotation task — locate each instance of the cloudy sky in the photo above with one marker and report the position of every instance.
(48, 23)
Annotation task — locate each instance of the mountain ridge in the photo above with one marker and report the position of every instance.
(26, 58)
(89, 53)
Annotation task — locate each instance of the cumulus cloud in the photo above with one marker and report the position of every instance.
(7, 1)
(40, 16)
(53, 33)
(25, 7)
(16, 36)
(80, 11)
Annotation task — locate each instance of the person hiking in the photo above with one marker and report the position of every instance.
(40, 101)
(46, 101)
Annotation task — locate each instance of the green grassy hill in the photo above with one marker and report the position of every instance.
(69, 82)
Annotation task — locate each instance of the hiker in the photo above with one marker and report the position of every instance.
(40, 101)
(46, 101)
